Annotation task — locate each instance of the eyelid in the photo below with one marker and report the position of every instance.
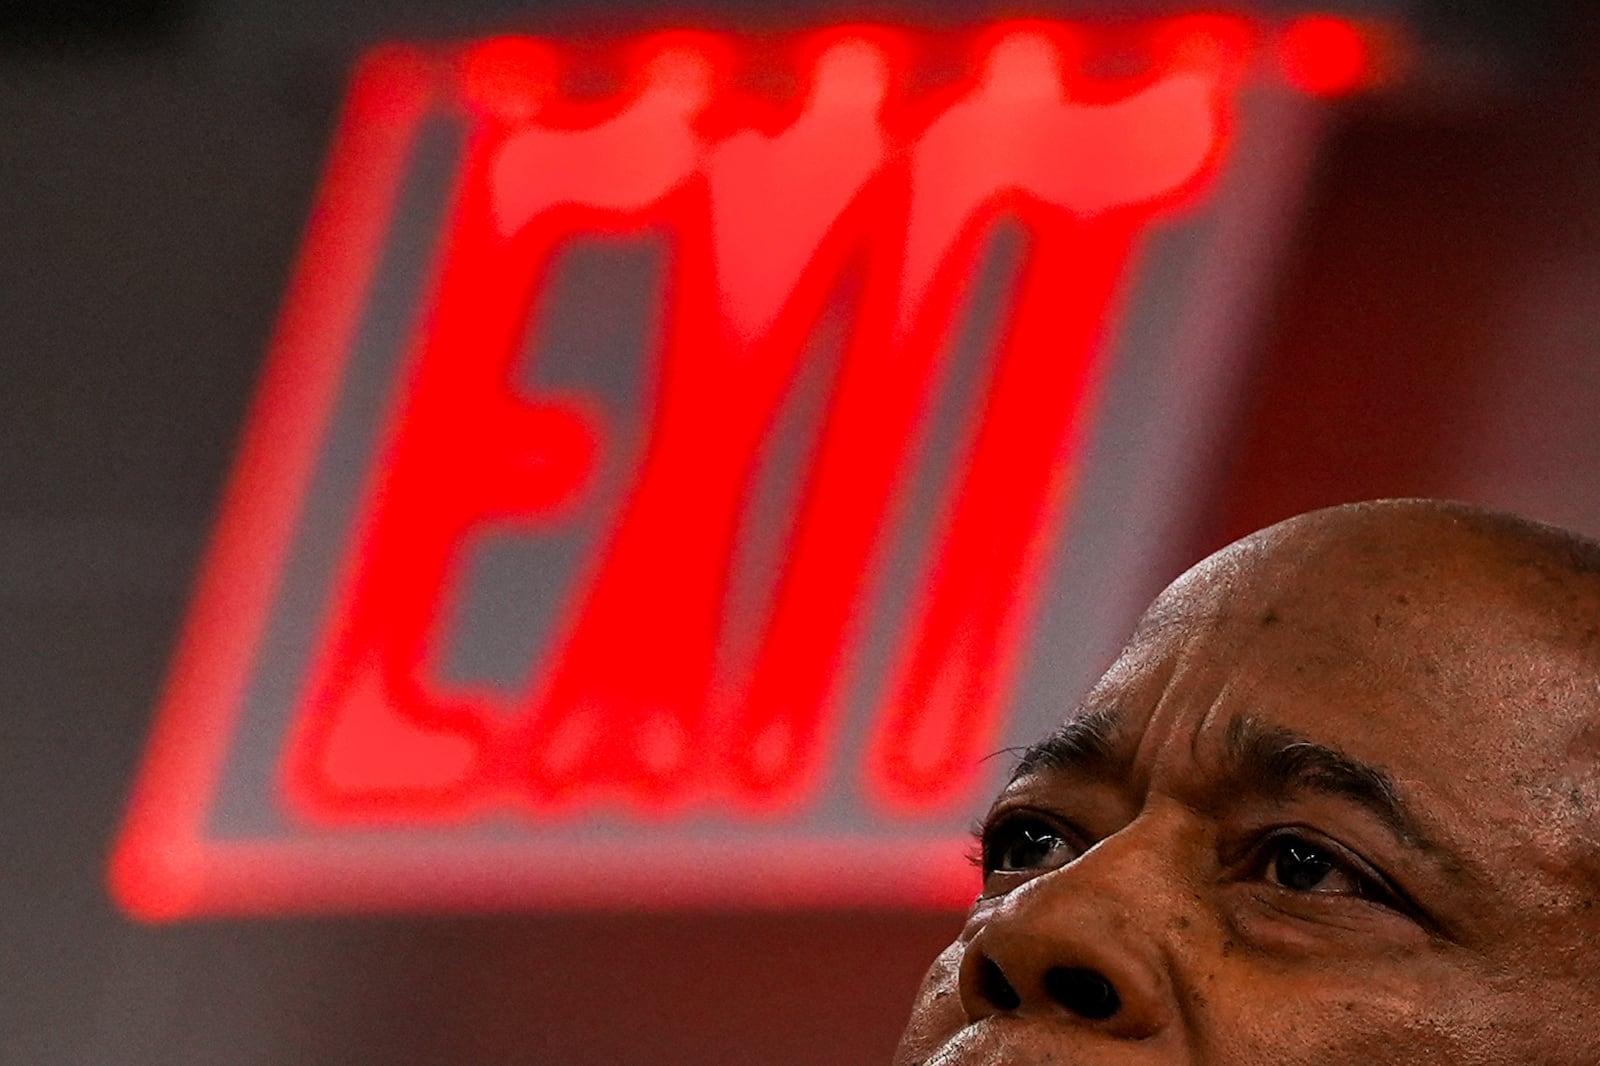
(1377, 887)
(1000, 818)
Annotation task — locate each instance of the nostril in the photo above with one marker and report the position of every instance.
(1084, 992)
(995, 988)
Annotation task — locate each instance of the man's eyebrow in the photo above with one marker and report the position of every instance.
(1274, 761)
(1265, 759)
(1083, 744)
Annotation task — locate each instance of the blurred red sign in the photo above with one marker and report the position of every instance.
(316, 747)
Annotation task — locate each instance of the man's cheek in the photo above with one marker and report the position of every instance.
(1327, 1022)
(937, 1015)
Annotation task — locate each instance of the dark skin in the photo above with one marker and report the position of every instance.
(1338, 802)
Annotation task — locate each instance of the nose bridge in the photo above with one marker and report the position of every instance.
(1089, 943)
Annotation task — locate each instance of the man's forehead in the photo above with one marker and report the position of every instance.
(1423, 593)
(1251, 755)
(1421, 671)
(1452, 661)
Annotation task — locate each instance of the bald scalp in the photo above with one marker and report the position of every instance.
(1521, 541)
(1466, 558)
(1541, 544)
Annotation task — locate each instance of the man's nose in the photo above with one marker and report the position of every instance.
(1076, 945)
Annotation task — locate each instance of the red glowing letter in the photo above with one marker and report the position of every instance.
(465, 450)
(1091, 178)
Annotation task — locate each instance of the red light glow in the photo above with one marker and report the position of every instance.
(1325, 56)
(380, 740)
(765, 205)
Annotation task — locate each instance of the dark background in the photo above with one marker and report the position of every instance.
(1435, 331)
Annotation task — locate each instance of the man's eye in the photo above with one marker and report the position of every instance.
(1297, 864)
(1023, 843)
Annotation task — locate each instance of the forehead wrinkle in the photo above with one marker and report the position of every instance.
(1089, 742)
(1203, 723)
(1274, 760)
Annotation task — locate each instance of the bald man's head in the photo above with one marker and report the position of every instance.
(1336, 802)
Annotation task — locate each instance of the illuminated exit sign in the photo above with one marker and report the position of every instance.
(679, 466)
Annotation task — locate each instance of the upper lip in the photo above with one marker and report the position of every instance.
(993, 1041)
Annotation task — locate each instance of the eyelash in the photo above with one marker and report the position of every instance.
(975, 851)
(989, 837)
(1273, 846)
(992, 838)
